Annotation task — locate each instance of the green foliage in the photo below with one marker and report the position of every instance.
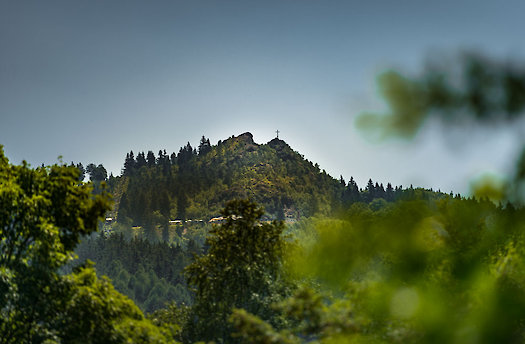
(96, 313)
(417, 271)
(44, 212)
(172, 317)
(251, 329)
(148, 273)
(406, 101)
(96, 173)
(314, 320)
(452, 275)
(242, 269)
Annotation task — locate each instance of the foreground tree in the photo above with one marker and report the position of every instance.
(242, 269)
(44, 212)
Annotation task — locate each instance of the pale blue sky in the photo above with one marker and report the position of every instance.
(91, 80)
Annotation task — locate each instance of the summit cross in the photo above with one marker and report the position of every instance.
(277, 131)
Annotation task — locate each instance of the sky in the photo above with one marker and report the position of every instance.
(92, 80)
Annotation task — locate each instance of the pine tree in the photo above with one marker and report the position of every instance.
(160, 159)
(369, 191)
(150, 158)
(186, 153)
(389, 193)
(380, 191)
(129, 164)
(351, 194)
(141, 160)
(164, 161)
(204, 146)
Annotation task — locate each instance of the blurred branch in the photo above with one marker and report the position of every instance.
(481, 90)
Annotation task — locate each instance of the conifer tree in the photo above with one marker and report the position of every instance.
(380, 191)
(129, 164)
(186, 153)
(150, 158)
(204, 146)
(352, 194)
(369, 191)
(166, 157)
(389, 193)
(141, 160)
(160, 159)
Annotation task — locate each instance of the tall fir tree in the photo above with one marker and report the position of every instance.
(204, 146)
(141, 160)
(150, 158)
(129, 164)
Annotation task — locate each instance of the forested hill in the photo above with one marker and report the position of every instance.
(196, 182)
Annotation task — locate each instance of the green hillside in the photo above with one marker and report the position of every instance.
(195, 184)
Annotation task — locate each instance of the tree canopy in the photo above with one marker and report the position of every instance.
(44, 212)
(242, 269)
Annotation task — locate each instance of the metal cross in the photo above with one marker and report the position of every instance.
(277, 131)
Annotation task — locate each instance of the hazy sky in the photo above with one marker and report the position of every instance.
(91, 80)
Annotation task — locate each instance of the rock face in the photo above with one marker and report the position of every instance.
(247, 137)
(243, 140)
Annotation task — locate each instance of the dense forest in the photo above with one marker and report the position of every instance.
(245, 243)
(196, 183)
(144, 253)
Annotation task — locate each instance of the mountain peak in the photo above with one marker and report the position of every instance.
(278, 144)
(247, 136)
